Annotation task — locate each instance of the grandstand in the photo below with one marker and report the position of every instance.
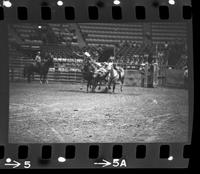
(130, 42)
(64, 33)
(173, 33)
(26, 33)
(111, 34)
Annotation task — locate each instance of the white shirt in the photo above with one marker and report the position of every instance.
(38, 58)
(110, 65)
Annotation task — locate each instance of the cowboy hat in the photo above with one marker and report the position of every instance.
(87, 54)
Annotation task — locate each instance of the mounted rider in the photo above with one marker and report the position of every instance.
(114, 65)
(95, 64)
(38, 59)
(105, 67)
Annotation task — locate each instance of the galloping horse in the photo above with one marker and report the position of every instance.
(114, 77)
(42, 70)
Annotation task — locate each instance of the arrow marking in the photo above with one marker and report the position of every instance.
(104, 163)
(15, 164)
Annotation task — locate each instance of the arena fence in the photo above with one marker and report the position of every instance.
(171, 78)
(158, 76)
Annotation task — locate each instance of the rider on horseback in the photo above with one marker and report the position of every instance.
(112, 58)
(38, 59)
(95, 64)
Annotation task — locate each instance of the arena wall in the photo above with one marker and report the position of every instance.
(174, 78)
(132, 78)
(166, 78)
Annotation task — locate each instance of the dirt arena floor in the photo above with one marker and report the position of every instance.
(62, 113)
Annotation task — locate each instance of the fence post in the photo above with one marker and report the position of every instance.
(155, 75)
(148, 76)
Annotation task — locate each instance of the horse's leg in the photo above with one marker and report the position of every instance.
(40, 78)
(46, 80)
(94, 84)
(121, 86)
(109, 84)
(88, 83)
(32, 76)
(107, 87)
(99, 85)
(29, 77)
(114, 87)
(43, 79)
(122, 82)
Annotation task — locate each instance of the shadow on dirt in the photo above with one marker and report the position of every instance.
(132, 94)
(83, 91)
(72, 90)
(99, 92)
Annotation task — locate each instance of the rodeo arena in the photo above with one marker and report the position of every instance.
(98, 82)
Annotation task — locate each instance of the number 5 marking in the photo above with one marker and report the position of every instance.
(115, 162)
(27, 164)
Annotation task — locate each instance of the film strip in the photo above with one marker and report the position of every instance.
(57, 125)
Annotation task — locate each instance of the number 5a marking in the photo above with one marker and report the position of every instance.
(118, 163)
(27, 164)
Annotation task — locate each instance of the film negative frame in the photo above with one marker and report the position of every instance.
(84, 155)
